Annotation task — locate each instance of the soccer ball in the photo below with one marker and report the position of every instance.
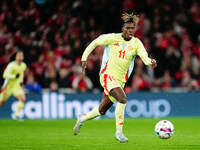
(164, 129)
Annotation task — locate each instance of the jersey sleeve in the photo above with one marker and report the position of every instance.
(8, 72)
(142, 53)
(103, 39)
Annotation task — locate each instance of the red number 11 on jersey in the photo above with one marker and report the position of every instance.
(122, 54)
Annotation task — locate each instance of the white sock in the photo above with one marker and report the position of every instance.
(91, 115)
(119, 116)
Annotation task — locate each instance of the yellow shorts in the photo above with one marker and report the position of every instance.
(10, 89)
(108, 83)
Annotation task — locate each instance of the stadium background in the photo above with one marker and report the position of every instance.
(53, 35)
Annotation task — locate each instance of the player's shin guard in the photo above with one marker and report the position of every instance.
(19, 107)
(91, 115)
(119, 116)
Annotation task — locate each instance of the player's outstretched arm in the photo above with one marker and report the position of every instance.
(101, 40)
(84, 66)
(8, 72)
(141, 51)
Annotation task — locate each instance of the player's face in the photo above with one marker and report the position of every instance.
(128, 30)
(20, 57)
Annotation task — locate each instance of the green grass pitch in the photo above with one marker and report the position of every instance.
(97, 135)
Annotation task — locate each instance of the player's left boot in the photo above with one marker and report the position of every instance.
(78, 125)
(120, 137)
(17, 118)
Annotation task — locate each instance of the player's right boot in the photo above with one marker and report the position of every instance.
(78, 125)
(120, 137)
(17, 118)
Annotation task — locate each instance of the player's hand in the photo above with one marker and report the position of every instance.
(17, 75)
(154, 63)
(84, 66)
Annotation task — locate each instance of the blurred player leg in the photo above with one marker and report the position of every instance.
(21, 100)
(119, 94)
(3, 97)
(19, 94)
(5, 94)
(97, 111)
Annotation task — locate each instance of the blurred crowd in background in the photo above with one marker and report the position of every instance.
(54, 33)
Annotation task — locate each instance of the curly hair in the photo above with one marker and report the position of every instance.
(133, 18)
